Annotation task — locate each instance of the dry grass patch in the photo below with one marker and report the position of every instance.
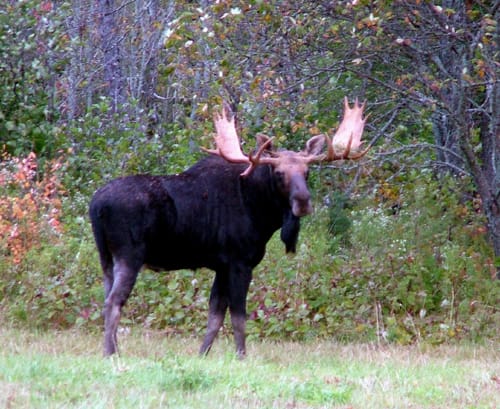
(65, 369)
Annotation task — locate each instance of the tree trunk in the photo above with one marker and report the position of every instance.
(490, 139)
(111, 54)
(468, 108)
(495, 163)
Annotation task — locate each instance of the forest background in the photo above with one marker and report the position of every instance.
(403, 247)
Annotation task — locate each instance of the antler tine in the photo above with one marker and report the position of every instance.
(228, 144)
(332, 155)
(349, 133)
(226, 139)
(256, 159)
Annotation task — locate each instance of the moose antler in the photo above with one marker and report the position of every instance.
(348, 135)
(347, 138)
(226, 138)
(228, 144)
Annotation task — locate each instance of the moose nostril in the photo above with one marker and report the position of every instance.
(301, 203)
(302, 196)
(301, 208)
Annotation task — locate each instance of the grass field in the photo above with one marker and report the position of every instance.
(66, 370)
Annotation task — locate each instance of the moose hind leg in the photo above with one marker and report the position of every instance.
(124, 280)
(112, 314)
(216, 313)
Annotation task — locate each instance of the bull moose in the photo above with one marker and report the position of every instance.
(219, 214)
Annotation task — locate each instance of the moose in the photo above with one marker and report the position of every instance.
(218, 214)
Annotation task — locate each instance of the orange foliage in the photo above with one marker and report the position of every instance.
(30, 205)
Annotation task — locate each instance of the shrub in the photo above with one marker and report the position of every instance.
(418, 271)
(37, 286)
(30, 205)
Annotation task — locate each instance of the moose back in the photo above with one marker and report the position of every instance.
(218, 214)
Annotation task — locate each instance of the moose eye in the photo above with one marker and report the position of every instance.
(280, 174)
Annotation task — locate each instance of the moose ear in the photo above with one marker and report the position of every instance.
(315, 145)
(262, 139)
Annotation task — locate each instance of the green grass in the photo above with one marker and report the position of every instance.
(66, 370)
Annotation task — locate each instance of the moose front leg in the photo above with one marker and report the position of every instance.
(239, 282)
(216, 312)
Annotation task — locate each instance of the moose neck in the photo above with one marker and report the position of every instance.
(270, 206)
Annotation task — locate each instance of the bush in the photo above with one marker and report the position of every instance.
(30, 205)
(44, 282)
(418, 271)
(56, 286)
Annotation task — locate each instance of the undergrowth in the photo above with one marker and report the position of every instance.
(405, 264)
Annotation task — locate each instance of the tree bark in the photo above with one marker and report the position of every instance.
(110, 47)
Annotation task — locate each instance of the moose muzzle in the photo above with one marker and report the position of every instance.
(300, 198)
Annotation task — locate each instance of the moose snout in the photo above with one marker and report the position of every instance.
(300, 198)
(301, 204)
